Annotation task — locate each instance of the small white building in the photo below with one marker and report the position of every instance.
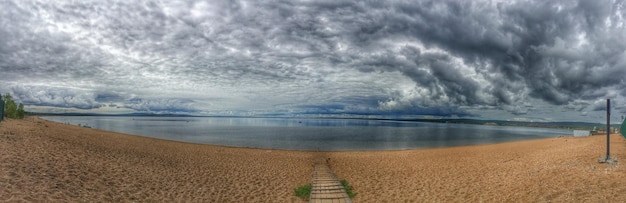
(580, 133)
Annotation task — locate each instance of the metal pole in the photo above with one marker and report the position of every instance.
(608, 128)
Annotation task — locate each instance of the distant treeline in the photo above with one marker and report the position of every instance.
(563, 125)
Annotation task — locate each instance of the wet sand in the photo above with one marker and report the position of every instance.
(47, 161)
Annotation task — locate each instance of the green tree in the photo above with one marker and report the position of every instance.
(11, 109)
(7, 97)
(20, 111)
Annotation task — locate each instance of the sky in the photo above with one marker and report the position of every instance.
(526, 60)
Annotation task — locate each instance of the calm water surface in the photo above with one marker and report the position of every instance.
(310, 134)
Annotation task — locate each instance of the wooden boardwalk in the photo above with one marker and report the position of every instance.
(326, 187)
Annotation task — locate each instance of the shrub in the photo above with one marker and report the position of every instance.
(348, 188)
(304, 191)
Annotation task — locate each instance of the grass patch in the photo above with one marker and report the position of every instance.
(304, 191)
(348, 188)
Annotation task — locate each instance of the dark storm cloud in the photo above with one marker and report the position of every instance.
(393, 57)
(161, 105)
(109, 97)
(532, 43)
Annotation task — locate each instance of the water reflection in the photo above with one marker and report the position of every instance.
(310, 134)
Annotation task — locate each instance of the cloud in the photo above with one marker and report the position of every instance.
(161, 105)
(88, 100)
(381, 58)
(55, 97)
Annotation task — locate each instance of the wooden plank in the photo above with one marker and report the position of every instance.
(325, 185)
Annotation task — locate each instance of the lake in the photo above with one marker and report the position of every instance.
(311, 134)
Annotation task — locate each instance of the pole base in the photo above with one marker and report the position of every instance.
(608, 160)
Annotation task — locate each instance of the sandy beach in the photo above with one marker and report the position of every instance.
(47, 161)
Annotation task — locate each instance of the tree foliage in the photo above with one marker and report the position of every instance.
(20, 111)
(12, 109)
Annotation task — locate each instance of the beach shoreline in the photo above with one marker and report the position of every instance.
(47, 161)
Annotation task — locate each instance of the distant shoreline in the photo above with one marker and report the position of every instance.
(559, 125)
